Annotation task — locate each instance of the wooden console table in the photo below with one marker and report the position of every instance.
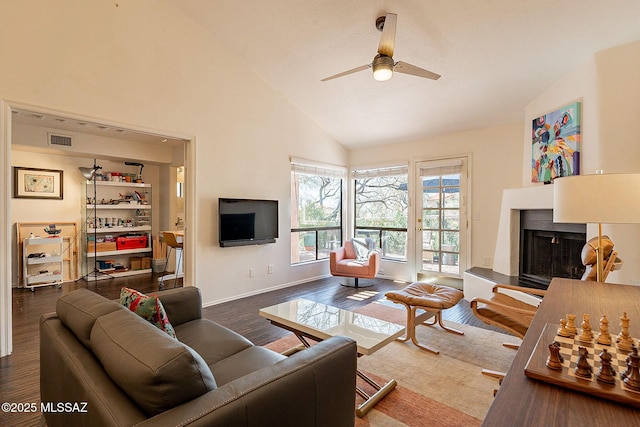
(523, 401)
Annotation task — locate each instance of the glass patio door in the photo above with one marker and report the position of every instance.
(441, 217)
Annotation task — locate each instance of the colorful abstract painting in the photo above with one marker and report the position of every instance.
(555, 144)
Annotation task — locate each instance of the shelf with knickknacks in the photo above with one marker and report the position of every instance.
(118, 226)
(42, 261)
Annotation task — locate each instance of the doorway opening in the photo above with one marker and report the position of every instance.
(441, 215)
(14, 118)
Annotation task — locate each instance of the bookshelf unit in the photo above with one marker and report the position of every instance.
(121, 229)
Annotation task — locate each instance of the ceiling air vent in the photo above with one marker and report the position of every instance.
(59, 140)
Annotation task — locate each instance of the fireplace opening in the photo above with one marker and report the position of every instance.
(549, 249)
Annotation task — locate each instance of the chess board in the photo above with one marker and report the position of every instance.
(536, 367)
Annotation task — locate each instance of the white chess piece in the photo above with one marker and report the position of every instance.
(563, 331)
(624, 341)
(604, 337)
(587, 334)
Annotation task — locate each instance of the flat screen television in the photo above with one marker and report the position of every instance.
(245, 222)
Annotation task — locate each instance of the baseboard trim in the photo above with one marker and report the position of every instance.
(264, 290)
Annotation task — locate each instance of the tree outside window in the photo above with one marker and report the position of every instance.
(381, 208)
(316, 215)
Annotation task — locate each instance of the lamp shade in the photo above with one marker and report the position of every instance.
(88, 173)
(597, 199)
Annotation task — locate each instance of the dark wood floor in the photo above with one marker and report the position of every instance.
(19, 372)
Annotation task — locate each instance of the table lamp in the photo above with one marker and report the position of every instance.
(597, 199)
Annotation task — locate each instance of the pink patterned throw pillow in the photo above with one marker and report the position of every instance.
(148, 307)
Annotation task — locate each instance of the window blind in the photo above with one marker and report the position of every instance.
(378, 172)
(319, 169)
(442, 167)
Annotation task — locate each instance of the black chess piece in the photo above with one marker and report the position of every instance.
(554, 361)
(583, 368)
(606, 374)
(626, 373)
(632, 379)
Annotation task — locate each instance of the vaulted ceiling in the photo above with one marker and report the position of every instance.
(495, 57)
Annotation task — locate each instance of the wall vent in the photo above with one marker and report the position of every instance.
(59, 140)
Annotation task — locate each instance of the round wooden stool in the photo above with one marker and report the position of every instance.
(430, 298)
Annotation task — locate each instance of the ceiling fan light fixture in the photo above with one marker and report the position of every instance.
(383, 64)
(382, 68)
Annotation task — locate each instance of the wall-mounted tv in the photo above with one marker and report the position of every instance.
(247, 221)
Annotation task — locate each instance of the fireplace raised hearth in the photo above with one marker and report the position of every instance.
(549, 249)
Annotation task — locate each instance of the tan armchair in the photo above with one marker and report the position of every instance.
(506, 312)
(345, 263)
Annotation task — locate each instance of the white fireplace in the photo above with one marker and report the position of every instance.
(507, 252)
(507, 255)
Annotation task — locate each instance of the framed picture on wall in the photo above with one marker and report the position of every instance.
(555, 144)
(31, 183)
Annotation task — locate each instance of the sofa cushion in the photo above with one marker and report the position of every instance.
(79, 309)
(181, 304)
(212, 341)
(154, 370)
(240, 364)
(148, 307)
(352, 267)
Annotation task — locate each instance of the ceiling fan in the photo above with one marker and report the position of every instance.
(383, 64)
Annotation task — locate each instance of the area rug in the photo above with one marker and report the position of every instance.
(446, 390)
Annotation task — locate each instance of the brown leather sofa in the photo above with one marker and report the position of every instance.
(102, 365)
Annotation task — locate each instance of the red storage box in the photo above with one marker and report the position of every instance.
(131, 242)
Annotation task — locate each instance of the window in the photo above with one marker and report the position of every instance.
(381, 207)
(316, 211)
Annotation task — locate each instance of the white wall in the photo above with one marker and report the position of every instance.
(608, 85)
(495, 165)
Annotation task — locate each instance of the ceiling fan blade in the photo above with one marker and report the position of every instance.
(403, 67)
(388, 37)
(344, 73)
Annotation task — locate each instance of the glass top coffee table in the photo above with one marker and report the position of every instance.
(317, 321)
